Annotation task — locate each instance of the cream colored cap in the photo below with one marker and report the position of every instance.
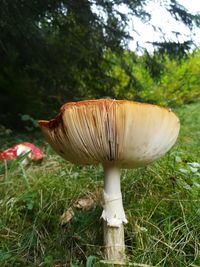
(112, 132)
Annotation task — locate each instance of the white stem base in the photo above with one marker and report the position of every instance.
(114, 244)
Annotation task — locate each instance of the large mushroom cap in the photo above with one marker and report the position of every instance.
(116, 132)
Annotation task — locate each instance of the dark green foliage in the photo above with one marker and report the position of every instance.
(173, 49)
(180, 13)
(53, 51)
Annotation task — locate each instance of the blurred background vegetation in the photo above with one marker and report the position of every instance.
(55, 51)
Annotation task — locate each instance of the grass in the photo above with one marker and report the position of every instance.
(162, 203)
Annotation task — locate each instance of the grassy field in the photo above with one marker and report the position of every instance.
(49, 212)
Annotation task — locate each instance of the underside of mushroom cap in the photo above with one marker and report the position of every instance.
(112, 132)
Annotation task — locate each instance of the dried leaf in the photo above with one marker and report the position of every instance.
(194, 164)
(66, 216)
(84, 203)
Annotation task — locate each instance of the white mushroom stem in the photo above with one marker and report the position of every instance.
(113, 212)
(114, 216)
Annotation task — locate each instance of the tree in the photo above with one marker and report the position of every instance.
(52, 51)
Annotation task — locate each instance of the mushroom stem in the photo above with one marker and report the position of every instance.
(114, 216)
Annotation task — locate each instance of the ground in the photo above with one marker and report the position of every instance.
(50, 211)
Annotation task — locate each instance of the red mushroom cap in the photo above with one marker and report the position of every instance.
(21, 149)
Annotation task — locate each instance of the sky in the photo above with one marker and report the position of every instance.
(143, 34)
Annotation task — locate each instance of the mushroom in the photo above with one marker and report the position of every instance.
(33, 152)
(118, 134)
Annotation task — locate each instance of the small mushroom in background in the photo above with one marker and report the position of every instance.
(33, 152)
(118, 134)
